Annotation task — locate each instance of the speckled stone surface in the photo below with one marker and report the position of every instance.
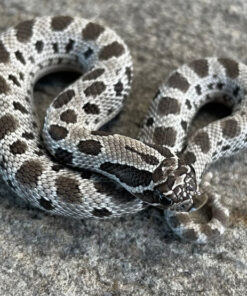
(135, 255)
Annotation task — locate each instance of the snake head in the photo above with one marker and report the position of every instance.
(176, 185)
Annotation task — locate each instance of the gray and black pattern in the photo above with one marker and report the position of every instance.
(86, 172)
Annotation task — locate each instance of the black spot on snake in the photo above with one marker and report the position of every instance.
(85, 174)
(8, 125)
(4, 54)
(64, 98)
(28, 135)
(114, 49)
(92, 31)
(188, 157)
(198, 89)
(67, 189)
(149, 159)
(200, 67)
(46, 204)
(21, 75)
(69, 46)
(14, 80)
(184, 125)
(29, 173)
(19, 56)
(118, 87)
(168, 105)
(24, 31)
(188, 104)
(176, 80)
(18, 147)
(57, 132)
(69, 116)
(4, 87)
(101, 212)
(127, 174)
(230, 128)
(91, 108)
(90, 147)
(128, 72)
(95, 89)
(201, 139)
(92, 75)
(165, 136)
(87, 54)
(55, 47)
(64, 156)
(230, 66)
(60, 23)
(149, 121)
(236, 91)
(39, 45)
(20, 107)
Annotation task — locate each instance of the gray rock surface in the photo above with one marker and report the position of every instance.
(135, 255)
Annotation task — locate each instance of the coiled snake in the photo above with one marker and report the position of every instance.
(86, 172)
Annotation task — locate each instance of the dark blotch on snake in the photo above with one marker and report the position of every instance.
(114, 49)
(128, 174)
(18, 147)
(63, 98)
(39, 45)
(91, 108)
(57, 132)
(230, 66)
(19, 56)
(149, 159)
(168, 105)
(28, 135)
(201, 139)
(69, 116)
(198, 89)
(46, 204)
(87, 54)
(8, 125)
(20, 107)
(92, 31)
(149, 121)
(95, 89)
(118, 87)
(4, 87)
(24, 31)
(200, 67)
(60, 23)
(14, 80)
(64, 156)
(92, 75)
(230, 128)
(176, 80)
(68, 189)
(69, 45)
(101, 212)
(90, 147)
(29, 173)
(164, 136)
(4, 54)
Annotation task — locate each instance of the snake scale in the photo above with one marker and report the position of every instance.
(74, 168)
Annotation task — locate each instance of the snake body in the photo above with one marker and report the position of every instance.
(85, 172)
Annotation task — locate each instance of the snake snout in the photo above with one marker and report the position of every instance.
(177, 191)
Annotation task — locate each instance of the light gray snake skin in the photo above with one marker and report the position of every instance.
(91, 173)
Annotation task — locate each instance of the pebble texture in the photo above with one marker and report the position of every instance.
(135, 255)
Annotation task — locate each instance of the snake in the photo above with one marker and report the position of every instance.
(73, 167)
